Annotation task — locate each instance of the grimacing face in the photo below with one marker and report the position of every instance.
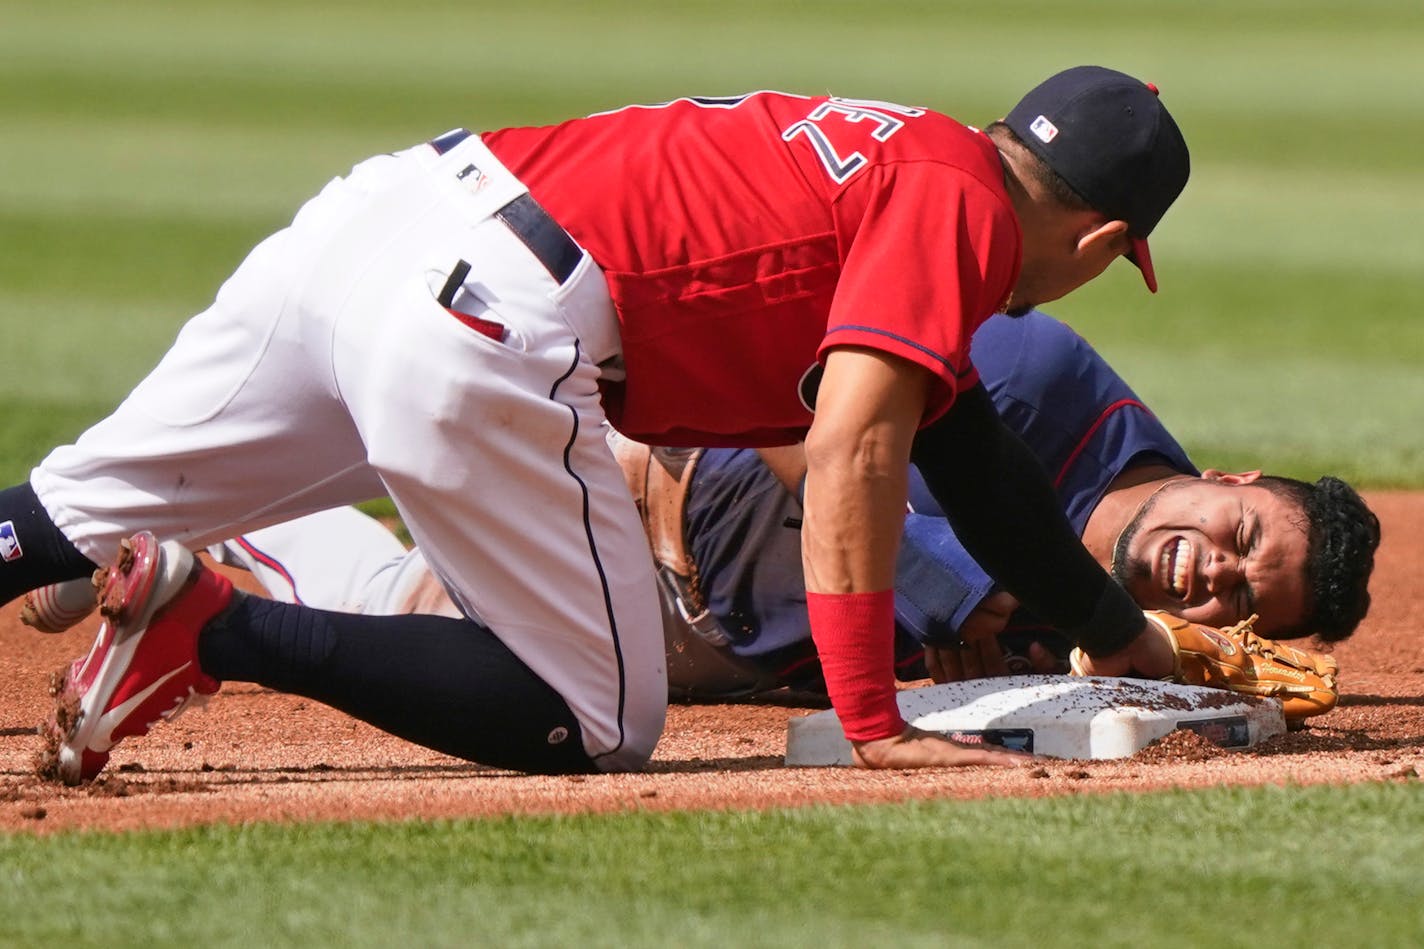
(1216, 549)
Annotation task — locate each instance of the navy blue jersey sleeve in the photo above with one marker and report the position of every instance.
(1077, 415)
(937, 583)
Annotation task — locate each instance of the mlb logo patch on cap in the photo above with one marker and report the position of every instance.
(1045, 130)
(9, 543)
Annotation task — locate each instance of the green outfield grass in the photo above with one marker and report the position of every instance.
(144, 146)
(1224, 868)
(147, 145)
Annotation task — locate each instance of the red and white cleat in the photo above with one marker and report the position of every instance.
(143, 666)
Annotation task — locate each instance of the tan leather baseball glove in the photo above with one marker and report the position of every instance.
(1237, 659)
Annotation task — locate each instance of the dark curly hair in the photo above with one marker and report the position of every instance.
(1343, 536)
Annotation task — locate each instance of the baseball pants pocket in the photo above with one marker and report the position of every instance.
(492, 447)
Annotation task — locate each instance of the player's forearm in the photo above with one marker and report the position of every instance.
(857, 454)
(854, 508)
(849, 535)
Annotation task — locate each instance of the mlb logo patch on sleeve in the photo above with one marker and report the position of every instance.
(9, 543)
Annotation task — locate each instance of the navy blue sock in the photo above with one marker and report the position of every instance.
(33, 552)
(443, 683)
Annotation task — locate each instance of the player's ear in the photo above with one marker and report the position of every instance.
(1233, 478)
(1098, 234)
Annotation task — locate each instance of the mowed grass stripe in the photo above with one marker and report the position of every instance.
(1246, 424)
(1105, 871)
(354, 62)
(1353, 223)
(147, 150)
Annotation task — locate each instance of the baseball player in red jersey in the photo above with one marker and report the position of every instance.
(451, 325)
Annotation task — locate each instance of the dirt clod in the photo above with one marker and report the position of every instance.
(1180, 745)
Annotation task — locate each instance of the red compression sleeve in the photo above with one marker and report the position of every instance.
(855, 636)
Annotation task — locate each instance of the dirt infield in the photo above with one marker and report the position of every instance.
(256, 755)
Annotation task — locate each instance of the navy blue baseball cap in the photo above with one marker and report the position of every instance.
(1112, 140)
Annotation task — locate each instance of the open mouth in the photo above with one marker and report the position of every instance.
(1176, 564)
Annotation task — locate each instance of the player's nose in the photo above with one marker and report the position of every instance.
(1220, 572)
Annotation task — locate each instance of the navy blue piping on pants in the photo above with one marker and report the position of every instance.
(560, 255)
(593, 552)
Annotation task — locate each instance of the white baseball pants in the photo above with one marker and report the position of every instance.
(327, 372)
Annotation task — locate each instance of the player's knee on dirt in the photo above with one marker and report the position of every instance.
(642, 728)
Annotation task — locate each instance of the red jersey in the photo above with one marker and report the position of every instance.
(742, 237)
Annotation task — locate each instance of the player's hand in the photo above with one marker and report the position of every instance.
(1149, 656)
(914, 748)
(979, 654)
(1042, 660)
(990, 617)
